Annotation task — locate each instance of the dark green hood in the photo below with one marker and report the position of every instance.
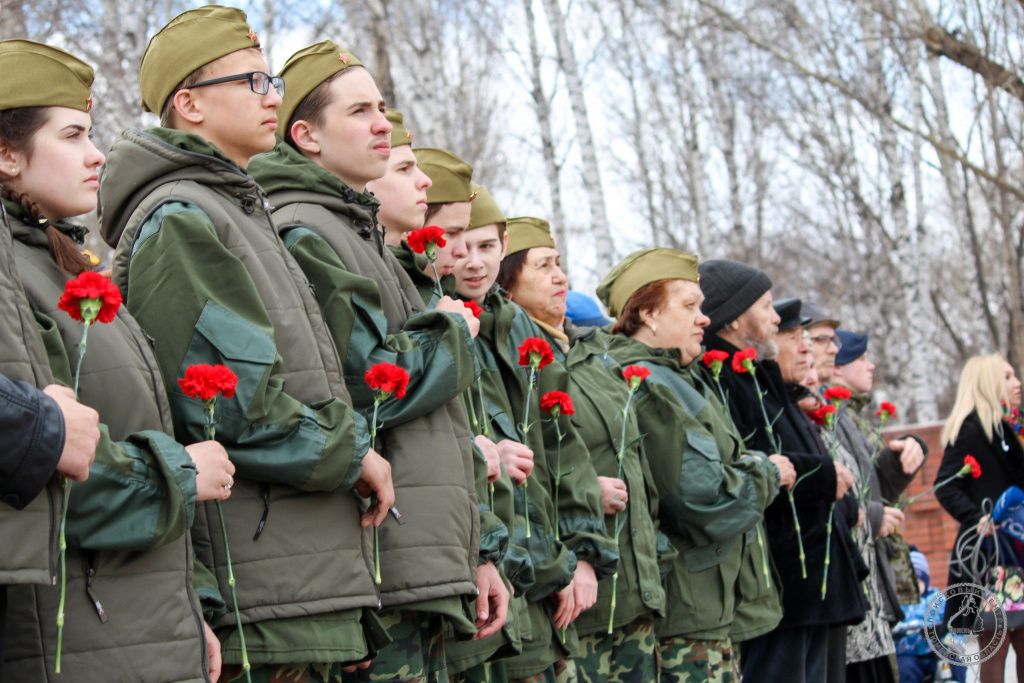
(285, 169)
(138, 161)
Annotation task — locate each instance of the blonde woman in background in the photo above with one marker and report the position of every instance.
(976, 427)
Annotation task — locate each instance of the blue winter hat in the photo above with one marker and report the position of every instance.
(920, 564)
(584, 311)
(853, 346)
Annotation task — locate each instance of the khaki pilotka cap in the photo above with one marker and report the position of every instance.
(485, 210)
(304, 71)
(641, 268)
(527, 232)
(452, 177)
(400, 135)
(189, 41)
(37, 75)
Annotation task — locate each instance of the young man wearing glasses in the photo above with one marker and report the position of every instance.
(203, 271)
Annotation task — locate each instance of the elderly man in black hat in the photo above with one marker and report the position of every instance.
(797, 651)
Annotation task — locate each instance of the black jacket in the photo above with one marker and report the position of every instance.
(801, 598)
(1002, 466)
(31, 441)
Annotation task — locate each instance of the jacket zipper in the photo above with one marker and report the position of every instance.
(89, 560)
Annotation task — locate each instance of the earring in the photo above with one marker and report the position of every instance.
(654, 328)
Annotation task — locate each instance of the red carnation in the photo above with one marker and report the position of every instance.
(535, 352)
(556, 403)
(423, 239)
(634, 375)
(205, 381)
(387, 379)
(743, 361)
(474, 307)
(837, 393)
(886, 410)
(714, 357)
(90, 297)
(820, 415)
(972, 465)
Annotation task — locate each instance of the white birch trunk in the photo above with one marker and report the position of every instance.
(542, 108)
(600, 230)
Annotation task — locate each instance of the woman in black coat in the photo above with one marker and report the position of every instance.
(976, 427)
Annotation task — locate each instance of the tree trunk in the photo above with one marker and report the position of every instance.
(604, 248)
(542, 108)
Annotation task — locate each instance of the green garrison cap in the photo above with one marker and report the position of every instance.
(526, 232)
(451, 176)
(305, 70)
(400, 135)
(485, 210)
(642, 268)
(37, 75)
(189, 41)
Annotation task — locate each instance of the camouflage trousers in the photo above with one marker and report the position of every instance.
(415, 655)
(562, 671)
(682, 660)
(624, 656)
(286, 673)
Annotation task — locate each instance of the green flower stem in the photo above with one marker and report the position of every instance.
(432, 256)
(777, 447)
(830, 425)
(903, 504)
(799, 535)
(764, 558)
(485, 427)
(619, 457)
(558, 471)
(524, 427)
(473, 420)
(718, 384)
(65, 495)
(63, 545)
(828, 550)
(376, 533)
(211, 431)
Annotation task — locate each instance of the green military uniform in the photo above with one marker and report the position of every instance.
(466, 658)
(129, 555)
(29, 532)
(504, 326)
(720, 584)
(427, 564)
(207, 277)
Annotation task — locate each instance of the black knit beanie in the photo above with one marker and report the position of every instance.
(730, 288)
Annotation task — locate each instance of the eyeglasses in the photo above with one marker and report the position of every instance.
(824, 340)
(259, 82)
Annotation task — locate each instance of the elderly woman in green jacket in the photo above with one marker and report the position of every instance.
(617, 640)
(131, 607)
(567, 540)
(712, 490)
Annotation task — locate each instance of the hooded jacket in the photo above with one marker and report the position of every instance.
(203, 270)
(129, 555)
(367, 303)
(30, 494)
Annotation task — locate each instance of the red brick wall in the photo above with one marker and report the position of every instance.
(928, 526)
